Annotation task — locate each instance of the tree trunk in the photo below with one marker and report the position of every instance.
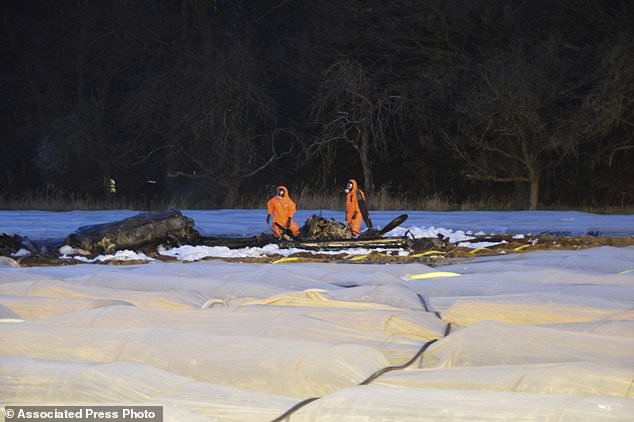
(532, 166)
(233, 181)
(81, 53)
(364, 156)
(533, 175)
(233, 192)
(200, 14)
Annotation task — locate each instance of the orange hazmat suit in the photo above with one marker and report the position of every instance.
(282, 208)
(353, 211)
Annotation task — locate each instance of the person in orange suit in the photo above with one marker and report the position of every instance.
(356, 210)
(282, 208)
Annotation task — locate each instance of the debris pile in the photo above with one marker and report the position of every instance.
(9, 244)
(319, 228)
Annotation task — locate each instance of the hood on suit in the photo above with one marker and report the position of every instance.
(282, 188)
(354, 187)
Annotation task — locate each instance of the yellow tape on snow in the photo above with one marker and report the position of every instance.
(426, 253)
(435, 274)
(521, 248)
(286, 259)
(359, 257)
(478, 250)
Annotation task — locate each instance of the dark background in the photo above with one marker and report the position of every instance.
(531, 101)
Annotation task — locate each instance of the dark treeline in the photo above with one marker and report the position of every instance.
(529, 100)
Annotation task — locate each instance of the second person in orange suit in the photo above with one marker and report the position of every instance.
(282, 208)
(354, 210)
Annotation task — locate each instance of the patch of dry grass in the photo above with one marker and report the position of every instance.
(382, 199)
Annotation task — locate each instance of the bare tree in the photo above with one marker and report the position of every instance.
(610, 101)
(80, 147)
(205, 121)
(350, 109)
(512, 124)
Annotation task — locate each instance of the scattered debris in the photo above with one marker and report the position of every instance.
(153, 235)
(319, 228)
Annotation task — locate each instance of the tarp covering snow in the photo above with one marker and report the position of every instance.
(392, 404)
(571, 378)
(527, 337)
(44, 381)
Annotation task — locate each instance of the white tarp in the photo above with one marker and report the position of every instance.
(572, 378)
(271, 365)
(535, 336)
(45, 381)
(393, 404)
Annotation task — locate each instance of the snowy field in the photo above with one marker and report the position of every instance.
(457, 227)
(49, 225)
(541, 336)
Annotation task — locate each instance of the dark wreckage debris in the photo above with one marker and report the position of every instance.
(10, 244)
(148, 230)
(145, 229)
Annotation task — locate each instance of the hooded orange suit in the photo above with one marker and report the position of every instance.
(282, 209)
(353, 212)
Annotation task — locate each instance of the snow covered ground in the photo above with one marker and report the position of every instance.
(536, 336)
(48, 225)
(458, 227)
